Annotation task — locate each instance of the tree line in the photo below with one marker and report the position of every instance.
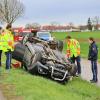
(93, 23)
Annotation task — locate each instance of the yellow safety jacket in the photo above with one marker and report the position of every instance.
(8, 41)
(1, 42)
(73, 48)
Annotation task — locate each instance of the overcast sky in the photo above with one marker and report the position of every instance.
(62, 11)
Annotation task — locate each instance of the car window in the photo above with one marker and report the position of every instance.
(43, 34)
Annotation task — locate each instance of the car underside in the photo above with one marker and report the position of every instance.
(44, 58)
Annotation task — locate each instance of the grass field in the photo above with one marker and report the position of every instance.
(23, 86)
(19, 85)
(82, 37)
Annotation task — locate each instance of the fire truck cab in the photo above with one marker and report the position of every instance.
(19, 33)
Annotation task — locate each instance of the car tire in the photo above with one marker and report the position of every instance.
(18, 53)
(30, 60)
(60, 45)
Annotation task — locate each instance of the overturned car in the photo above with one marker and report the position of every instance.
(44, 58)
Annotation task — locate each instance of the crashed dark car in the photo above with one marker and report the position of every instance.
(44, 58)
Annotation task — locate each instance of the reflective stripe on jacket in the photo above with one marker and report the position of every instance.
(1, 42)
(8, 41)
(73, 48)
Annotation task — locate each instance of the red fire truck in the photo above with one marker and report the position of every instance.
(20, 32)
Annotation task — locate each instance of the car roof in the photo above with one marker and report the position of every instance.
(43, 32)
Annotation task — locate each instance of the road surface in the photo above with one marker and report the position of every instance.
(86, 71)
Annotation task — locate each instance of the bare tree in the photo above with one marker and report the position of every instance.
(10, 10)
(36, 25)
(54, 23)
(33, 25)
(28, 26)
(96, 21)
(71, 25)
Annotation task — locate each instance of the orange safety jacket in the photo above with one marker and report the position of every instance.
(73, 48)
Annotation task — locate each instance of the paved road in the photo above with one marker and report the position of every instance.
(86, 70)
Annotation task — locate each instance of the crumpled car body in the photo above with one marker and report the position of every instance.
(38, 58)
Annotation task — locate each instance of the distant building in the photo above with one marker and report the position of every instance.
(59, 28)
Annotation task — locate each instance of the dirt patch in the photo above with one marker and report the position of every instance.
(2, 96)
(8, 90)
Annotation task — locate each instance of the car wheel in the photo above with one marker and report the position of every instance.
(18, 53)
(60, 45)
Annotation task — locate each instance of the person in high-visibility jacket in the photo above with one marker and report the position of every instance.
(8, 45)
(73, 52)
(0, 44)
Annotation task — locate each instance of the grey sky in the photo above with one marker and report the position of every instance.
(62, 11)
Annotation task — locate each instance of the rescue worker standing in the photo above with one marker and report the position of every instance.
(73, 52)
(8, 45)
(93, 56)
(0, 45)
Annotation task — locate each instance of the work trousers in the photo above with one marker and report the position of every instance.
(8, 59)
(78, 60)
(94, 69)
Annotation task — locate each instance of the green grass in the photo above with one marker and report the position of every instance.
(18, 83)
(82, 37)
(77, 35)
(38, 88)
